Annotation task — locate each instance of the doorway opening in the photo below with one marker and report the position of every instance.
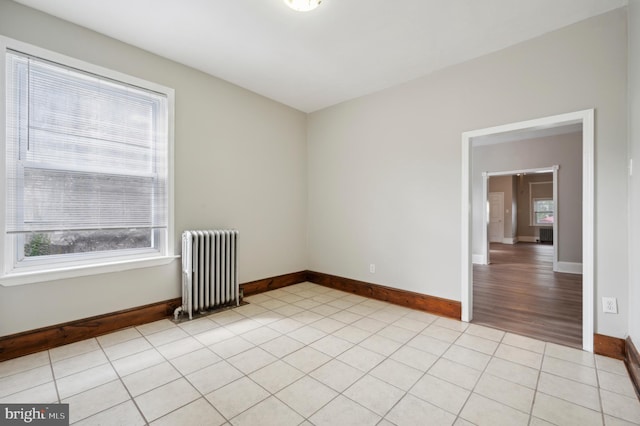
(522, 287)
(585, 121)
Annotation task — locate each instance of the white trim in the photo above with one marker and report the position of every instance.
(569, 267)
(521, 171)
(30, 49)
(510, 240)
(527, 239)
(588, 229)
(586, 117)
(556, 209)
(478, 259)
(486, 253)
(466, 267)
(83, 271)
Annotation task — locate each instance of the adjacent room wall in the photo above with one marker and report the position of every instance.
(240, 162)
(633, 305)
(385, 169)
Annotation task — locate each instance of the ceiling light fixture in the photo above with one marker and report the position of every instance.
(302, 5)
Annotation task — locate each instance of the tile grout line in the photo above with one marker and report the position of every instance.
(471, 392)
(535, 391)
(602, 414)
(135, 404)
(53, 376)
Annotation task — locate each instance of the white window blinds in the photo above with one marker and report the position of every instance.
(83, 152)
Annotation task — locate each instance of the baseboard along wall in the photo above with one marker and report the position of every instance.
(32, 341)
(423, 302)
(527, 239)
(632, 361)
(260, 286)
(569, 267)
(611, 347)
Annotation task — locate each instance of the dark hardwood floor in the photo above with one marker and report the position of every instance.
(519, 292)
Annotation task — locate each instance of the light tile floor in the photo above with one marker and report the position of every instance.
(309, 355)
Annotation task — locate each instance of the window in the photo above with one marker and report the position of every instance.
(87, 166)
(542, 212)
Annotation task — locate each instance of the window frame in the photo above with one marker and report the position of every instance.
(534, 221)
(38, 270)
(532, 199)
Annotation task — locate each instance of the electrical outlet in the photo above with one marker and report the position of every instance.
(372, 268)
(609, 305)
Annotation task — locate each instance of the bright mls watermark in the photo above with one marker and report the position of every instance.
(34, 414)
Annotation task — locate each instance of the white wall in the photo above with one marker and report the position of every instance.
(240, 161)
(562, 150)
(385, 169)
(634, 182)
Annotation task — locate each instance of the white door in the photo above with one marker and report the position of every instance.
(496, 217)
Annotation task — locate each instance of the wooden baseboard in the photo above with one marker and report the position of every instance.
(632, 360)
(41, 339)
(32, 341)
(423, 302)
(259, 286)
(612, 347)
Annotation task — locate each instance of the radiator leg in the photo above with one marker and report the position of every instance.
(177, 313)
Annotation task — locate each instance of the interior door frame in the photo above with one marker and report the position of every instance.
(486, 252)
(587, 119)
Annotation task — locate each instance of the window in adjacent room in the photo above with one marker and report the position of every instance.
(542, 212)
(87, 166)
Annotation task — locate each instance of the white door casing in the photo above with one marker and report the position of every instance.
(587, 119)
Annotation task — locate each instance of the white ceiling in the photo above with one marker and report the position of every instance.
(342, 50)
